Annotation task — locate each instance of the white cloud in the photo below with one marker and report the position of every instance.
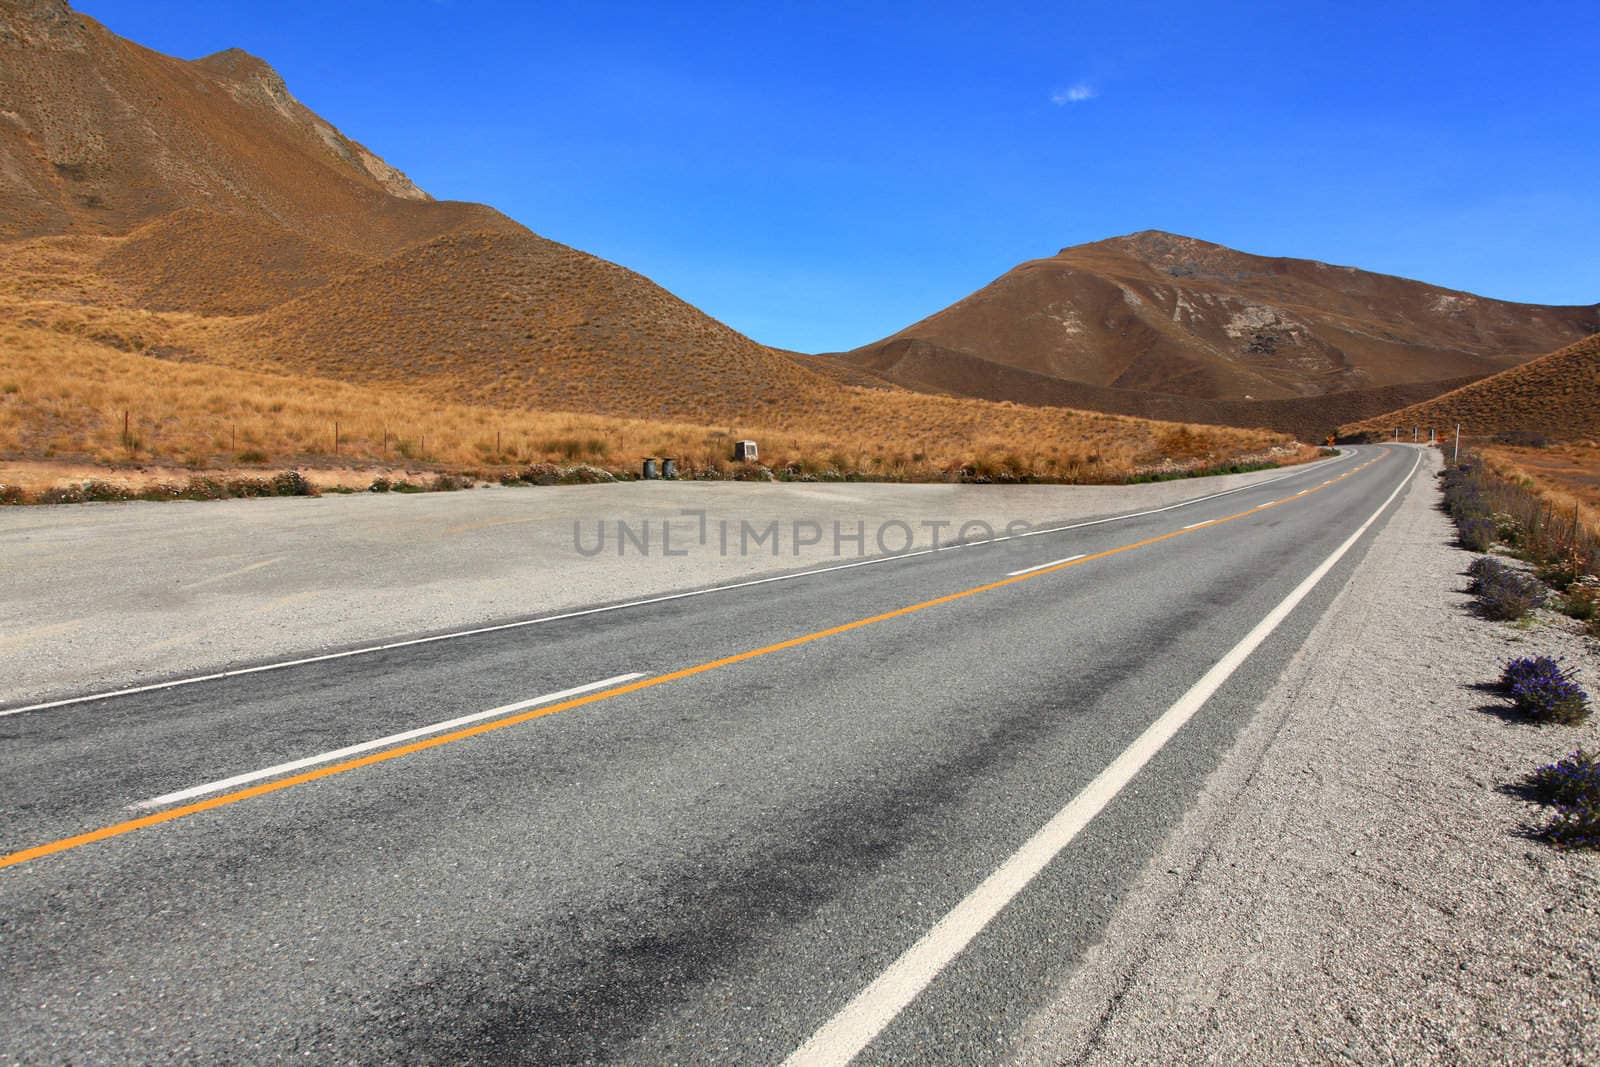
(1077, 94)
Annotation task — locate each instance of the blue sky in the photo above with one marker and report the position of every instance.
(819, 175)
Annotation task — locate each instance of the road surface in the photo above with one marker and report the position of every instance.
(874, 812)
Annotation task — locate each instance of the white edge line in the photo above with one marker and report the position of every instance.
(839, 1040)
(1042, 566)
(476, 631)
(366, 746)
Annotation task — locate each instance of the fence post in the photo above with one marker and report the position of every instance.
(1457, 457)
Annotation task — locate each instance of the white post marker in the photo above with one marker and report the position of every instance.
(856, 1025)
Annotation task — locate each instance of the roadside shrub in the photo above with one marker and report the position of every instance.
(1572, 786)
(541, 474)
(1582, 601)
(248, 487)
(160, 491)
(584, 474)
(103, 492)
(449, 483)
(1476, 534)
(1523, 438)
(1482, 568)
(379, 484)
(1545, 691)
(292, 483)
(1568, 779)
(1564, 570)
(1463, 493)
(1508, 528)
(61, 494)
(12, 494)
(1507, 595)
(199, 488)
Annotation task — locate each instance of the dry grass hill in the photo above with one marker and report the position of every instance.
(928, 368)
(493, 318)
(1555, 396)
(1157, 323)
(220, 264)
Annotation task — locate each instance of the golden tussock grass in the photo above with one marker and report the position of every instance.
(477, 351)
(1557, 395)
(1565, 474)
(68, 373)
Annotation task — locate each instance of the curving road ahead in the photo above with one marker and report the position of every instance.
(874, 812)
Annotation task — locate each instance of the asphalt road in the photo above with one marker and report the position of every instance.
(703, 867)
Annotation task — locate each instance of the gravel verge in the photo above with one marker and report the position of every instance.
(1358, 883)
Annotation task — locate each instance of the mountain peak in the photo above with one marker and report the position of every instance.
(238, 64)
(1152, 245)
(251, 79)
(35, 21)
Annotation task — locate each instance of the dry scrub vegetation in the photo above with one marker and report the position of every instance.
(69, 372)
(1565, 474)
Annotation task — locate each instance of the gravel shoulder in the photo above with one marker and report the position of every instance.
(1357, 883)
(96, 596)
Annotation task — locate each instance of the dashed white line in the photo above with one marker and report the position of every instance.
(841, 1038)
(1042, 566)
(1197, 525)
(367, 746)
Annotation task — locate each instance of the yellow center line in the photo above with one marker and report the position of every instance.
(128, 826)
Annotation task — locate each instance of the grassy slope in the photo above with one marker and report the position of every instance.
(70, 371)
(1557, 395)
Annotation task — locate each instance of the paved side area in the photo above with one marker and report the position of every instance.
(1356, 884)
(101, 595)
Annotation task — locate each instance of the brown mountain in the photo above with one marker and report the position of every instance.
(186, 240)
(1157, 322)
(204, 186)
(511, 318)
(1557, 396)
(99, 135)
